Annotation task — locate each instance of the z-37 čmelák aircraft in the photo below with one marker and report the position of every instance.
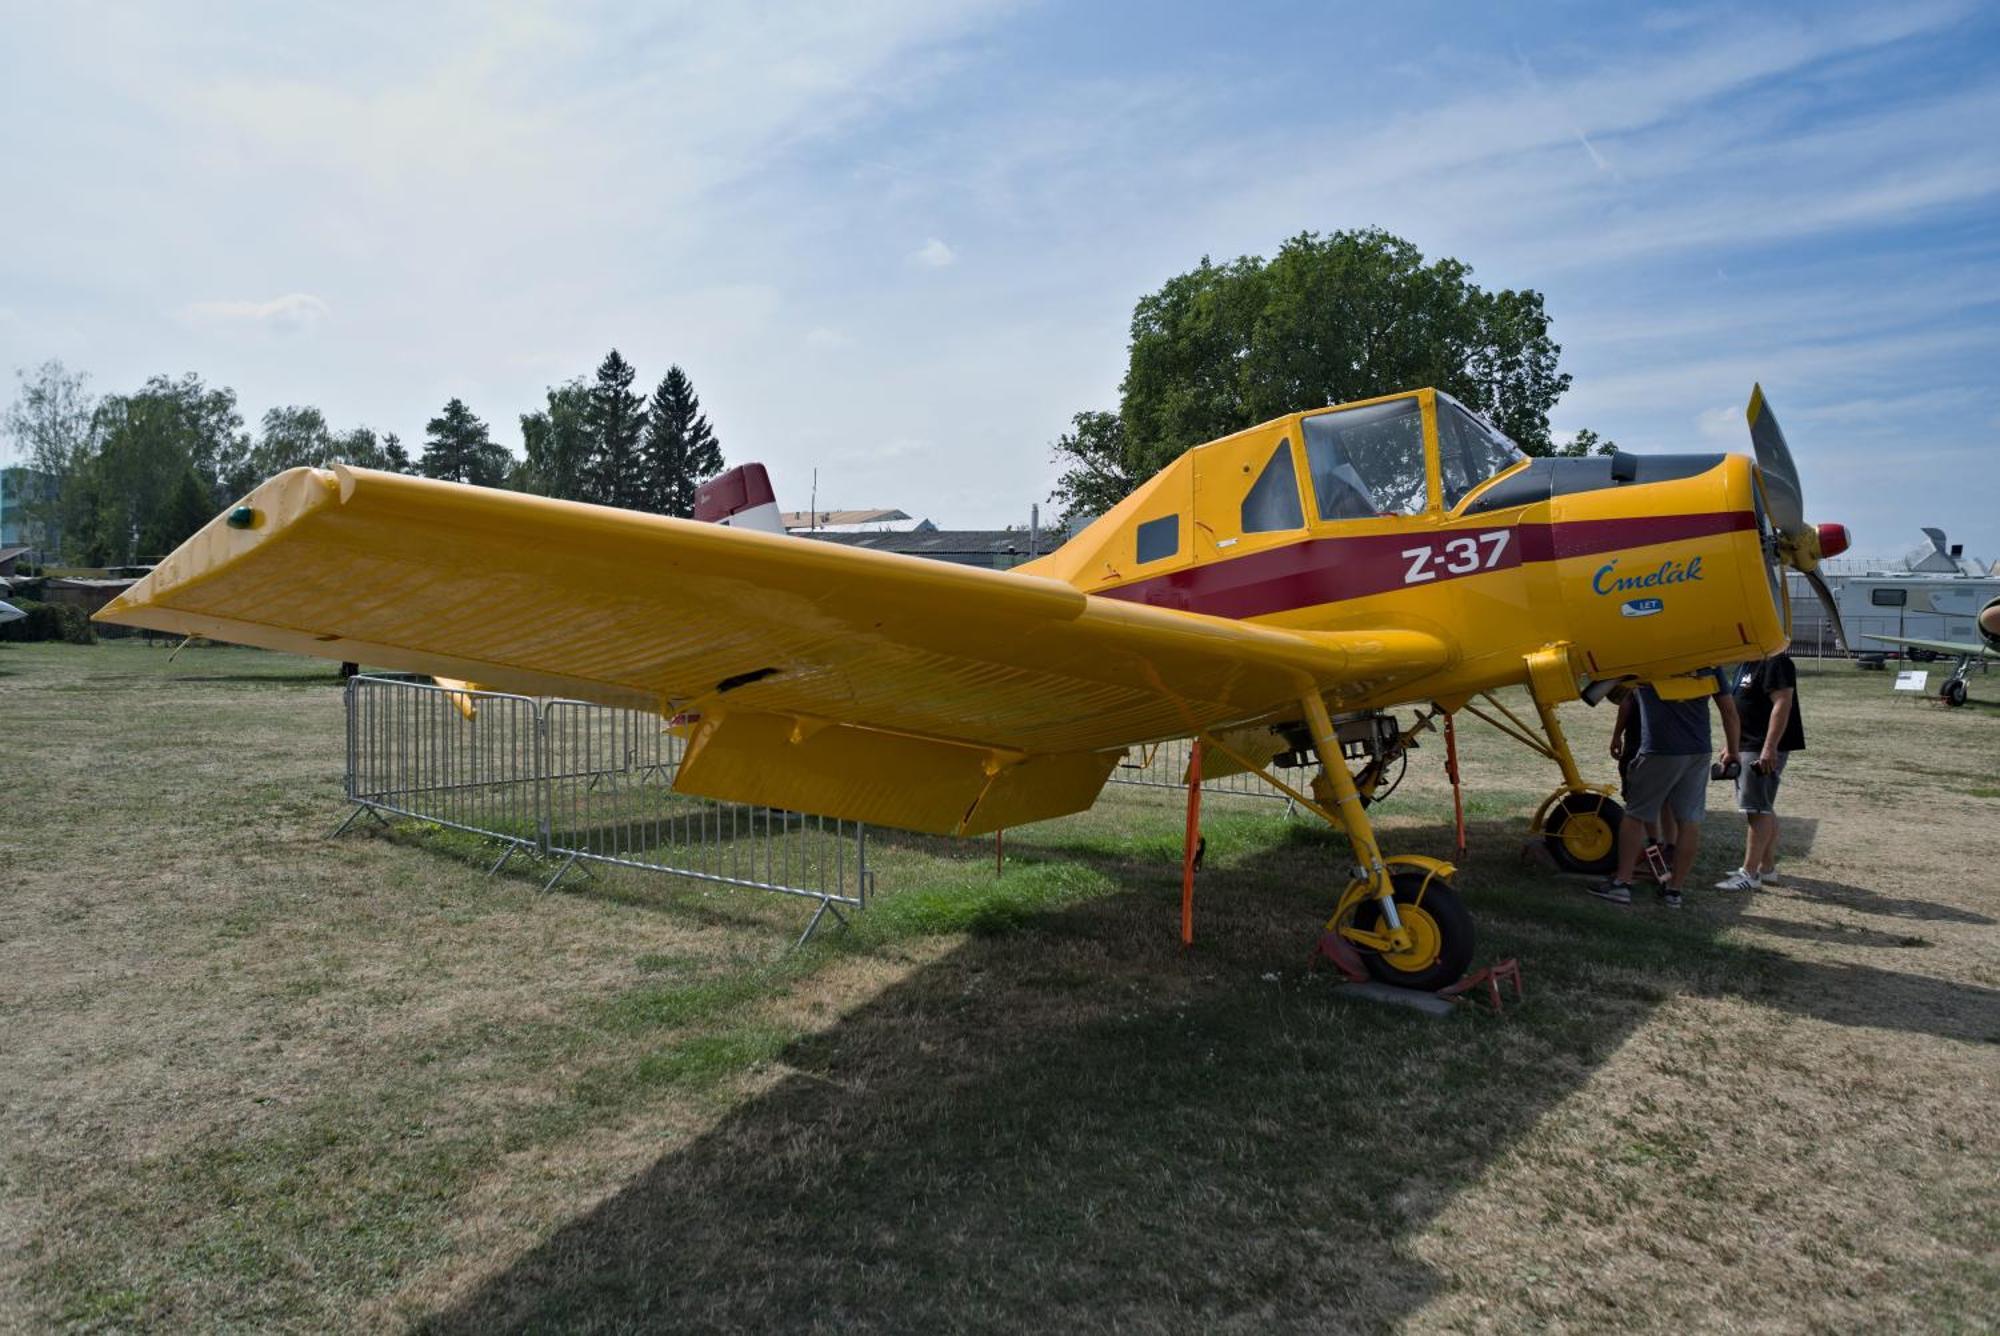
(1273, 594)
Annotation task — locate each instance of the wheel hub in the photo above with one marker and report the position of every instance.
(1425, 940)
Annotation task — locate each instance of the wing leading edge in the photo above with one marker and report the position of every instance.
(822, 678)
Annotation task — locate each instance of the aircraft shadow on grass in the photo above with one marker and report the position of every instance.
(1072, 1123)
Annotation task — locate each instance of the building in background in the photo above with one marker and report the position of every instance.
(27, 511)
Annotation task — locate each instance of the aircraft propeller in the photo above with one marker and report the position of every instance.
(1794, 543)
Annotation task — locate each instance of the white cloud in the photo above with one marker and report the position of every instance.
(293, 313)
(933, 254)
(825, 336)
(1725, 424)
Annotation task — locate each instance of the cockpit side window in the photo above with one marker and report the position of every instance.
(1272, 503)
(1368, 461)
(1469, 451)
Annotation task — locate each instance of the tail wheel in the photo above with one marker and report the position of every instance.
(1953, 692)
(1582, 832)
(1441, 938)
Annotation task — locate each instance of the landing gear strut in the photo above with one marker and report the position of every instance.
(1398, 915)
(1401, 913)
(1578, 823)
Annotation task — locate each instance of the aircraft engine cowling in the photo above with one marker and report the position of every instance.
(1989, 625)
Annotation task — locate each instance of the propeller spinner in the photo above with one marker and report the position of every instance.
(1794, 543)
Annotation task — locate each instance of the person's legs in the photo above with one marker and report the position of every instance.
(1646, 787)
(1631, 844)
(1763, 842)
(1686, 805)
(1756, 794)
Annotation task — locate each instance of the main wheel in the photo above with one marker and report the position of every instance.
(1953, 691)
(1440, 931)
(1582, 832)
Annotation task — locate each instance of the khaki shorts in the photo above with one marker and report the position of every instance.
(1679, 782)
(1757, 794)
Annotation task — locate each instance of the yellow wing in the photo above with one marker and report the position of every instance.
(821, 678)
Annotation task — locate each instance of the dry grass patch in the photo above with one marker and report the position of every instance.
(251, 1077)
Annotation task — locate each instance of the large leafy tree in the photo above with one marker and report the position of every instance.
(557, 443)
(458, 449)
(146, 442)
(293, 436)
(614, 420)
(1329, 319)
(187, 508)
(680, 451)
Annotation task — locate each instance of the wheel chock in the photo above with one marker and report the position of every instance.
(1468, 987)
(1332, 946)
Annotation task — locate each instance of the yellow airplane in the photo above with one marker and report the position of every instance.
(1273, 594)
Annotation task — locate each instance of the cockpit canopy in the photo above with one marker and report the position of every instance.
(1396, 456)
(1370, 460)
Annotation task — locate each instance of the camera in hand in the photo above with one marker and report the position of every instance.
(1729, 769)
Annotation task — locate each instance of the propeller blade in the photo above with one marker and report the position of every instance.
(1781, 476)
(1831, 608)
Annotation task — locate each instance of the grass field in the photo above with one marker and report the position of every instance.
(251, 1077)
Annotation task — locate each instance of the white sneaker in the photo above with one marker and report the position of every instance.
(1739, 880)
(1769, 879)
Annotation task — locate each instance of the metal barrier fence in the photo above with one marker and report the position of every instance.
(1165, 765)
(581, 783)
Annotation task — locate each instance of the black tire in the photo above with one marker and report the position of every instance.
(1585, 847)
(1438, 911)
(1952, 693)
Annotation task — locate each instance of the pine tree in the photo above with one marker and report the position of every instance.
(680, 451)
(459, 450)
(613, 421)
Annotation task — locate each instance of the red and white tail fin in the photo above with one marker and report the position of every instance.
(742, 498)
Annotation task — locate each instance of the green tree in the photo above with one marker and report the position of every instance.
(361, 447)
(556, 440)
(146, 442)
(613, 420)
(1585, 442)
(188, 506)
(1099, 468)
(1329, 319)
(291, 437)
(680, 451)
(296, 437)
(458, 449)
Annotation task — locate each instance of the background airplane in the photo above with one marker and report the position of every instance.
(1275, 594)
(1953, 691)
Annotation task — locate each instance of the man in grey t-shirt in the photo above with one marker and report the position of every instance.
(1671, 771)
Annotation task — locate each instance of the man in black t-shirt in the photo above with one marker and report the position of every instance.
(1767, 700)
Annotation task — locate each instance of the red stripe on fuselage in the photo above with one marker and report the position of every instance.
(1314, 571)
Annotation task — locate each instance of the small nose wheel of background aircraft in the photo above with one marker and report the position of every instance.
(1580, 829)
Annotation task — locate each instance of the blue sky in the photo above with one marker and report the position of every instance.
(900, 242)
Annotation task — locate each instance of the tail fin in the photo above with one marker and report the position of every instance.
(742, 498)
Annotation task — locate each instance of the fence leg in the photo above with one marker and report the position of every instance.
(359, 808)
(505, 854)
(567, 864)
(825, 906)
